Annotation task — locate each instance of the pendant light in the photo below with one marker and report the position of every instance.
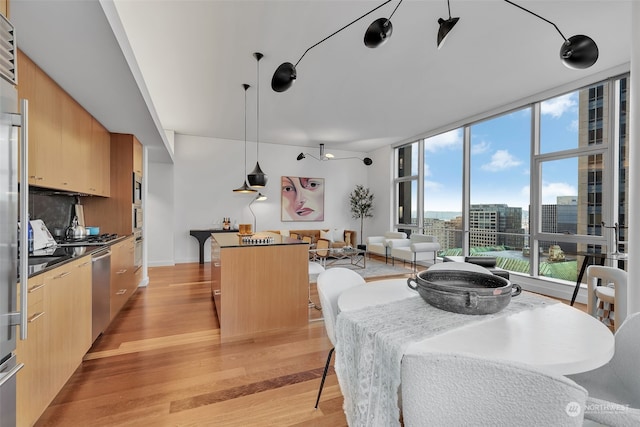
(245, 188)
(446, 25)
(577, 52)
(257, 178)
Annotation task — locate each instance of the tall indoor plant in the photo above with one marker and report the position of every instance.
(361, 200)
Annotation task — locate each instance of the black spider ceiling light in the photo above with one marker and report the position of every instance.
(379, 31)
(446, 25)
(286, 74)
(577, 52)
(328, 156)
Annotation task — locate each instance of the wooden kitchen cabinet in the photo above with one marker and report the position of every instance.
(100, 160)
(58, 336)
(66, 144)
(115, 213)
(34, 390)
(123, 277)
(4, 7)
(137, 156)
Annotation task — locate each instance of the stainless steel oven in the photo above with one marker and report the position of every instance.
(136, 223)
(137, 189)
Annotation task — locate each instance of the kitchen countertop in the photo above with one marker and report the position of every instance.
(233, 240)
(57, 256)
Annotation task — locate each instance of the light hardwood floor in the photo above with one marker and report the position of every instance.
(161, 363)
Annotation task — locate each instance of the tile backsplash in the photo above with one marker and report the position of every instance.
(56, 210)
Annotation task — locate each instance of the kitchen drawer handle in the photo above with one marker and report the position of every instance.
(61, 275)
(121, 292)
(217, 292)
(35, 317)
(84, 264)
(121, 271)
(35, 288)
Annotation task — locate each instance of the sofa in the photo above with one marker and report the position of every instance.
(418, 247)
(338, 238)
(379, 245)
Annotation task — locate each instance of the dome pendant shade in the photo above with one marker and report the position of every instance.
(446, 25)
(579, 52)
(257, 178)
(244, 189)
(378, 32)
(284, 77)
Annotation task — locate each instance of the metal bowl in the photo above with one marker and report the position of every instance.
(465, 292)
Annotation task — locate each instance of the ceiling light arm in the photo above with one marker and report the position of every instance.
(449, 7)
(349, 24)
(538, 16)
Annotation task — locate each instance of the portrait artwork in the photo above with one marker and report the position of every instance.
(302, 199)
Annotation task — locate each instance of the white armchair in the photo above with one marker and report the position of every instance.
(379, 245)
(418, 247)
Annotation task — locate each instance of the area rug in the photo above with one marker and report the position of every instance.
(375, 268)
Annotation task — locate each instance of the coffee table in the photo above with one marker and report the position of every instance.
(355, 256)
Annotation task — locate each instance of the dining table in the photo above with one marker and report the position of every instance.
(381, 321)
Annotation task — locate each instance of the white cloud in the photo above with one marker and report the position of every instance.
(480, 147)
(447, 140)
(427, 170)
(501, 160)
(551, 190)
(573, 126)
(432, 185)
(556, 107)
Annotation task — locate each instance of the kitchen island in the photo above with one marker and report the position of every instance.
(258, 288)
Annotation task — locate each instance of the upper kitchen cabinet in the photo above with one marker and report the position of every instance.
(137, 157)
(45, 148)
(115, 213)
(101, 148)
(68, 149)
(4, 7)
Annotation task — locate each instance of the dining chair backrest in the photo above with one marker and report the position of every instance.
(294, 236)
(607, 275)
(322, 248)
(307, 239)
(445, 389)
(331, 283)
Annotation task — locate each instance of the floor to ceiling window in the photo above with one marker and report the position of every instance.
(543, 185)
(442, 189)
(499, 187)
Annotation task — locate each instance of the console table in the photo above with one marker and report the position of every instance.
(203, 235)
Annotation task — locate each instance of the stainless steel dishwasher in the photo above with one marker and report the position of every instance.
(101, 283)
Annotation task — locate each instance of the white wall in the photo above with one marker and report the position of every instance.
(381, 184)
(159, 215)
(196, 192)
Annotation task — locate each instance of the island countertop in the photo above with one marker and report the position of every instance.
(232, 240)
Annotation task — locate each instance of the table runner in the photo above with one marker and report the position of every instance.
(371, 343)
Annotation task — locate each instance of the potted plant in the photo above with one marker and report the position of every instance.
(361, 200)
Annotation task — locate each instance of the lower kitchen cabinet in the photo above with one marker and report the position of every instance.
(123, 274)
(34, 390)
(58, 336)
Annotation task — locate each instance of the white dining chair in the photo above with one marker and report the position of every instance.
(446, 389)
(610, 296)
(331, 283)
(614, 389)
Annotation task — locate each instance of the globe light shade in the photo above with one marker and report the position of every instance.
(579, 52)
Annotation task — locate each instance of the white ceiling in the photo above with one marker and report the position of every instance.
(147, 65)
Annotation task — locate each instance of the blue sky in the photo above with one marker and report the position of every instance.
(500, 158)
